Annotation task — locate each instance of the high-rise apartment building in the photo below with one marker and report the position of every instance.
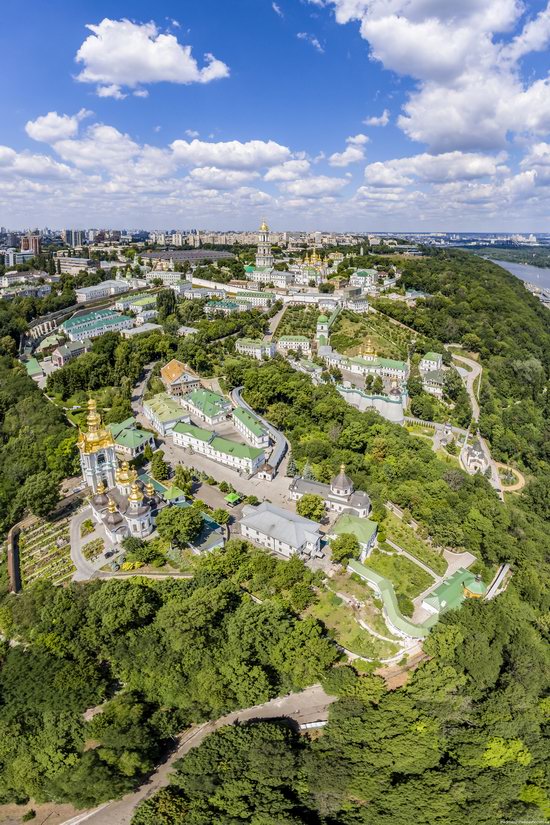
(31, 243)
(73, 237)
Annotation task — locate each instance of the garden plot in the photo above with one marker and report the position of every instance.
(45, 552)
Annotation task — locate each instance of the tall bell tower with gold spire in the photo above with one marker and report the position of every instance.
(97, 451)
(264, 257)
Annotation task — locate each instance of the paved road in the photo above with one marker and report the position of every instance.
(475, 370)
(498, 584)
(310, 705)
(282, 446)
(274, 323)
(139, 390)
(84, 569)
(275, 491)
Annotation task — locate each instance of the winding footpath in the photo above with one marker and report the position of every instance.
(474, 370)
(310, 705)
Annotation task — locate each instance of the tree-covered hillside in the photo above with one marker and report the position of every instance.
(163, 653)
(463, 741)
(486, 309)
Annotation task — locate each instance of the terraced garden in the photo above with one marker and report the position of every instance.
(407, 577)
(406, 538)
(342, 625)
(371, 610)
(93, 549)
(45, 552)
(351, 331)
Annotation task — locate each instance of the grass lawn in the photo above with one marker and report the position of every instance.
(418, 429)
(406, 577)
(358, 589)
(448, 458)
(339, 620)
(407, 539)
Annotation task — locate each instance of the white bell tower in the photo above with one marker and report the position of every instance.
(98, 459)
(264, 258)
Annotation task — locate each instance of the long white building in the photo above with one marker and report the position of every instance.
(255, 349)
(241, 457)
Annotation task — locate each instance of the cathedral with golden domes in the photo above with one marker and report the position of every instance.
(120, 503)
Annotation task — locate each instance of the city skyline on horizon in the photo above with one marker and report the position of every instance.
(377, 116)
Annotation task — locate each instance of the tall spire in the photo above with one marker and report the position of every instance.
(264, 258)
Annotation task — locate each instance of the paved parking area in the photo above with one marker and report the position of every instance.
(275, 491)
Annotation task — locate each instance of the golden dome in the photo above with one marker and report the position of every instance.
(111, 506)
(101, 487)
(264, 227)
(124, 475)
(368, 348)
(149, 490)
(96, 436)
(136, 495)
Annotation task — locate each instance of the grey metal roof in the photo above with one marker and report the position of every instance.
(280, 524)
(303, 485)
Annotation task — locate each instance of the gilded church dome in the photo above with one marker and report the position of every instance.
(97, 436)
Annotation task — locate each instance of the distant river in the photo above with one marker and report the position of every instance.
(534, 274)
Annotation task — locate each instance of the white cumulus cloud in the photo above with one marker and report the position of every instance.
(353, 152)
(231, 154)
(212, 177)
(121, 54)
(290, 170)
(51, 127)
(380, 120)
(314, 187)
(102, 146)
(470, 93)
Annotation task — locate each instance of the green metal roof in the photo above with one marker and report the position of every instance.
(322, 319)
(295, 339)
(172, 493)
(390, 363)
(259, 294)
(33, 367)
(208, 402)
(250, 421)
(252, 342)
(432, 356)
(157, 486)
(192, 430)
(450, 593)
(222, 305)
(387, 593)
(165, 408)
(106, 321)
(223, 445)
(77, 320)
(362, 528)
(130, 438)
(249, 268)
(232, 498)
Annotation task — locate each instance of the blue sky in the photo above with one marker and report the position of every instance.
(329, 114)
